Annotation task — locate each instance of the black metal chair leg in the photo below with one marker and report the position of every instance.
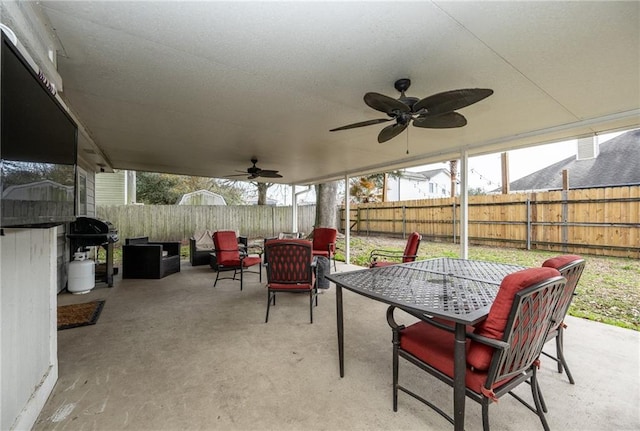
(562, 363)
(217, 275)
(536, 393)
(311, 306)
(485, 415)
(395, 371)
(269, 304)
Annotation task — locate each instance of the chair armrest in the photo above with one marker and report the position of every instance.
(392, 321)
(171, 247)
(390, 254)
(491, 342)
(331, 247)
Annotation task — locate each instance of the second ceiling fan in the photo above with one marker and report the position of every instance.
(254, 172)
(432, 112)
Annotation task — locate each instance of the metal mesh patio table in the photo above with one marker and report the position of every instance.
(458, 290)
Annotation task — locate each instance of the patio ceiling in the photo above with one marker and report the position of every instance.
(200, 88)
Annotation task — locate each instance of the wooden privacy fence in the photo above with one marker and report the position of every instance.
(601, 221)
(179, 222)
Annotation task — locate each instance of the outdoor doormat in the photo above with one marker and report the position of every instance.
(72, 316)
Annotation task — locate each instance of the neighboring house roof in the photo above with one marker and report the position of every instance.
(202, 197)
(433, 172)
(615, 165)
(39, 190)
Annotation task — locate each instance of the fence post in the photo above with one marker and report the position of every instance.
(453, 219)
(528, 224)
(404, 222)
(368, 222)
(565, 217)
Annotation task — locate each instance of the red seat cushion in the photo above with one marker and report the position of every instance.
(435, 347)
(297, 286)
(479, 355)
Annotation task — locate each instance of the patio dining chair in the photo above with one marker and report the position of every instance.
(408, 255)
(503, 350)
(324, 243)
(570, 267)
(229, 257)
(289, 269)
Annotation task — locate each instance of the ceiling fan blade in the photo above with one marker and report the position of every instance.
(385, 104)
(453, 100)
(269, 174)
(361, 124)
(443, 121)
(391, 132)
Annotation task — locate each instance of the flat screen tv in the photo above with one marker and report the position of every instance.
(37, 150)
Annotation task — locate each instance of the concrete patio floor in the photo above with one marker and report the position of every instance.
(177, 353)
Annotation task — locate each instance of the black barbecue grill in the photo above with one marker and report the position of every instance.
(90, 232)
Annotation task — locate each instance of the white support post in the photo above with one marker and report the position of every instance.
(294, 209)
(347, 224)
(464, 204)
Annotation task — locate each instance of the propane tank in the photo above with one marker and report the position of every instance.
(82, 274)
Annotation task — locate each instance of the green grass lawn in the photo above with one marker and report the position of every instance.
(608, 292)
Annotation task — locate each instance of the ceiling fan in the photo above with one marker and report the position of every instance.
(255, 172)
(432, 112)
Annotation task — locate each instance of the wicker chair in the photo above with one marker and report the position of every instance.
(142, 258)
(503, 351)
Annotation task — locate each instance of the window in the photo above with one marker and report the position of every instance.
(81, 193)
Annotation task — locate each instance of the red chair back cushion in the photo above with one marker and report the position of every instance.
(226, 244)
(560, 261)
(412, 247)
(479, 355)
(323, 236)
(570, 267)
(289, 262)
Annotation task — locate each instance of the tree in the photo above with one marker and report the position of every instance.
(326, 204)
(262, 192)
(364, 190)
(153, 188)
(167, 189)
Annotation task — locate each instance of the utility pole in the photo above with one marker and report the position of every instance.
(453, 168)
(505, 173)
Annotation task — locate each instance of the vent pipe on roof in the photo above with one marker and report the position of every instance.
(587, 147)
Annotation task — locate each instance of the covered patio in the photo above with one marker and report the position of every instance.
(177, 353)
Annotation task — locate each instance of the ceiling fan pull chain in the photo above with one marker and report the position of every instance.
(408, 139)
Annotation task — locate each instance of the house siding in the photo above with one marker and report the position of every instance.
(110, 188)
(33, 266)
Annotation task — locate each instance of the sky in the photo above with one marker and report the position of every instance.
(485, 171)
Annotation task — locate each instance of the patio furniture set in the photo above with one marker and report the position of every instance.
(293, 264)
(481, 326)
